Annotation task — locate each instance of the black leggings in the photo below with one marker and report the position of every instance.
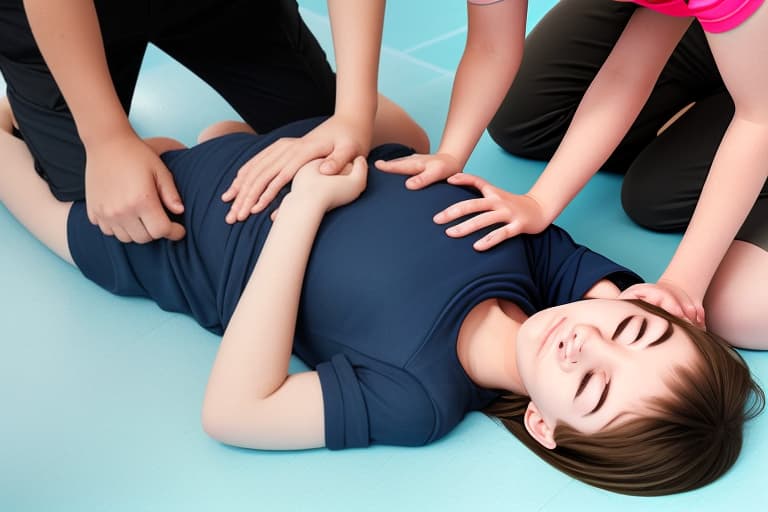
(664, 174)
(258, 54)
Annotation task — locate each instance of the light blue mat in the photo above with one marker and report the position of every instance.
(100, 395)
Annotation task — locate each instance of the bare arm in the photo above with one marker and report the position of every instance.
(605, 114)
(126, 183)
(494, 48)
(357, 30)
(609, 107)
(738, 171)
(251, 401)
(492, 55)
(68, 35)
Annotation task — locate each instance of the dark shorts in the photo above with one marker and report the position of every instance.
(259, 55)
(664, 174)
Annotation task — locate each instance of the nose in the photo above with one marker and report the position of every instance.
(579, 343)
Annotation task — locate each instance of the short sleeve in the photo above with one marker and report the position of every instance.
(369, 402)
(565, 270)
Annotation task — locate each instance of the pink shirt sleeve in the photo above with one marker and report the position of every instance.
(714, 15)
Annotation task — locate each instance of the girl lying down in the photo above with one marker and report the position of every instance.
(407, 330)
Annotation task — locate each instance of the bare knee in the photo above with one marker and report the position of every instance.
(394, 124)
(223, 128)
(162, 144)
(736, 300)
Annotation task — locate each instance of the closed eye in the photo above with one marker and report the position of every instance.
(583, 384)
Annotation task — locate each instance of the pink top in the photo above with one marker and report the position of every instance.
(714, 15)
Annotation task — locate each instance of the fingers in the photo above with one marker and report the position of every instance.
(468, 180)
(166, 188)
(407, 165)
(336, 161)
(431, 174)
(497, 236)
(475, 223)
(462, 209)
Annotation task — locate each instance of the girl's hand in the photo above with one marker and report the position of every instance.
(669, 296)
(518, 213)
(333, 190)
(335, 142)
(424, 169)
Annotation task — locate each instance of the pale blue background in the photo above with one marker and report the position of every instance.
(100, 395)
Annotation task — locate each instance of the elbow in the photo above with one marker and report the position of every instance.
(221, 421)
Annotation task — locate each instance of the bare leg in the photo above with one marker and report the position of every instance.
(163, 144)
(223, 128)
(737, 298)
(392, 124)
(26, 195)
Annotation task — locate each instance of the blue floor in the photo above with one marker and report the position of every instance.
(100, 395)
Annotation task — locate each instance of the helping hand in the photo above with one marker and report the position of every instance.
(518, 213)
(336, 142)
(126, 186)
(669, 296)
(424, 169)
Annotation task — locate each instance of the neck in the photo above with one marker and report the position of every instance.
(487, 345)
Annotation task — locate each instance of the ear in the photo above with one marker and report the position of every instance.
(537, 427)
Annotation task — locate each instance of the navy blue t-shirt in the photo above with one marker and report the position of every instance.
(384, 295)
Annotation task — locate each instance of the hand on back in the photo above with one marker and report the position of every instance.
(126, 187)
(423, 169)
(336, 142)
(516, 213)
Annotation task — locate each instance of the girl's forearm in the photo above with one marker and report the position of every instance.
(737, 175)
(252, 362)
(357, 29)
(69, 38)
(609, 107)
(496, 34)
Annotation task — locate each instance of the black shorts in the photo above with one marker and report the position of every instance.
(258, 54)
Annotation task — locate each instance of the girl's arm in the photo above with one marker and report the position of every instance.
(605, 114)
(251, 400)
(738, 171)
(609, 107)
(494, 47)
(356, 28)
(127, 185)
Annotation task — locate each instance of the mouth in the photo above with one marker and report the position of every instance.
(549, 335)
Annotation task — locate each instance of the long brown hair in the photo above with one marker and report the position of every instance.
(694, 436)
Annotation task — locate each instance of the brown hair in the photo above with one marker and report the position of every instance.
(693, 438)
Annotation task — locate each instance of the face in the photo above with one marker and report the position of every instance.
(595, 362)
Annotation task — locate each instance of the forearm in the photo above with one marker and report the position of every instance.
(496, 34)
(609, 107)
(737, 175)
(69, 38)
(252, 362)
(357, 28)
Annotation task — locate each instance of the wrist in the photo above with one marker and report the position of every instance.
(99, 132)
(307, 202)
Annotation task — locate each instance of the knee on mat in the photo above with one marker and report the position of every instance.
(648, 204)
(534, 137)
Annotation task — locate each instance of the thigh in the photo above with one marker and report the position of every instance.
(663, 185)
(260, 56)
(44, 119)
